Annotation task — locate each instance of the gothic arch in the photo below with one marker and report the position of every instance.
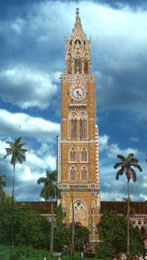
(72, 173)
(73, 125)
(84, 173)
(73, 154)
(80, 212)
(84, 155)
(83, 125)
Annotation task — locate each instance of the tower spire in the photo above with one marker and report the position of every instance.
(77, 53)
(78, 25)
(77, 11)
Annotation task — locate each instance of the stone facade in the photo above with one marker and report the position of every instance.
(78, 171)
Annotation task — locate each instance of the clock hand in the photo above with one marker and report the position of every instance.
(78, 94)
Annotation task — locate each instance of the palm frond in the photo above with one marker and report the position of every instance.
(120, 172)
(137, 166)
(118, 164)
(121, 157)
(50, 189)
(41, 180)
(130, 157)
(18, 154)
(134, 160)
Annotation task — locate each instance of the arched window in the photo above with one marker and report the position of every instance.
(73, 125)
(79, 205)
(84, 173)
(72, 173)
(73, 155)
(78, 65)
(83, 125)
(80, 212)
(84, 155)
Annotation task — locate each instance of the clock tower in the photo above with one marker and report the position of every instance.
(78, 171)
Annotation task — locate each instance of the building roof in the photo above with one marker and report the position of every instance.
(44, 207)
(138, 207)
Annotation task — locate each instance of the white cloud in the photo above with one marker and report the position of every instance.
(18, 25)
(25, 125)
(29, 172)
(112, 150)
(103, 142)
(117, 190)
(134, 139)
(28, 87)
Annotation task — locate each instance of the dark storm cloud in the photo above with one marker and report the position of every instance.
(124, 88)
(118, 4)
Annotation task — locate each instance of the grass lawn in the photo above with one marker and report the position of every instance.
(28, 253)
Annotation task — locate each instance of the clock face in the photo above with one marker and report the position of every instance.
(78, 93)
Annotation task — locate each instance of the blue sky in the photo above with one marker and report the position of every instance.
(31, 62)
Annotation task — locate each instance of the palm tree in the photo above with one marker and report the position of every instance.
(126, 164)
(17, 154)
(50, 192)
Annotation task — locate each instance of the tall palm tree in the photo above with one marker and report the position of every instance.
(17, 154)
(125, 165)
(50, 192)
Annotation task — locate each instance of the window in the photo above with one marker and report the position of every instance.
(79, 205)
(86, 67)
(83, 125)
(84, 155)
(73, 155)
(84, 173)
(73, 127)
(72, 173)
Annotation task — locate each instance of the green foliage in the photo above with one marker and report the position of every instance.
(2, 184)
(33, 230)
(22, 253)
(137, 245)
(113, 233)
(30, 228)
(81, 235)
(50, 189)
(103, 251)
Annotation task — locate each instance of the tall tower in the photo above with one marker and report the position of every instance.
(78, 171)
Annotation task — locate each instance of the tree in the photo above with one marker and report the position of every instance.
(62, 236)
(32, 229)
(50, 192)
(125, 165)
(17, 154)
(113, 233)
(2, 194)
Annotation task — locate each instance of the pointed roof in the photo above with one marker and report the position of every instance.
(78, 32)
(78, 25)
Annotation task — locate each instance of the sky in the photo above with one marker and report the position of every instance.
(32, 55)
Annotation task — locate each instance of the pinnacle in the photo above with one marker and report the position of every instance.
(78, 26)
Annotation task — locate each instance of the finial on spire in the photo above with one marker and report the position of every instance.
(77, 11)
